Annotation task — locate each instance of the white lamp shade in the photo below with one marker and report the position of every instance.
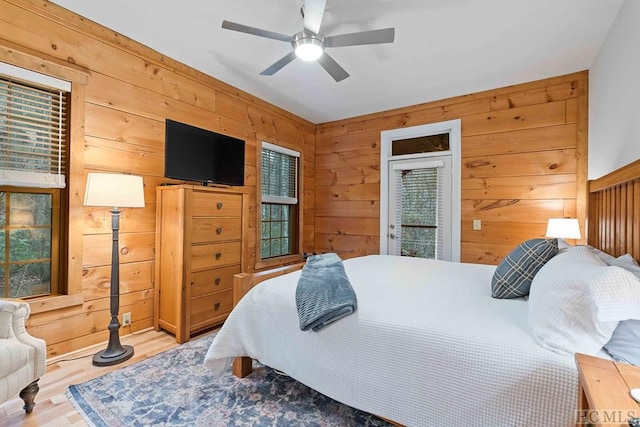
(114, 190)
(565, 228)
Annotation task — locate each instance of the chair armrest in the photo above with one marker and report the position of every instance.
(13, 315)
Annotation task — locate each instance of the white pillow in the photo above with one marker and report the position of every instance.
(627, 262)
(576, 302)
(600, 254)
(624, 345)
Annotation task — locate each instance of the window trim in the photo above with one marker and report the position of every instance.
(284, 148)
(78, 76)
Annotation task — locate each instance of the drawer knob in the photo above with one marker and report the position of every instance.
(219, 205)
(217, 281)
(218, 255)
(219, 230)
(216, 306)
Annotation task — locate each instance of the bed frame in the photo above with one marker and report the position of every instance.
(613, 226)
(614, 212)
(242, 283)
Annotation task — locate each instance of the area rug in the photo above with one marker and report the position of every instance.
(174, 389)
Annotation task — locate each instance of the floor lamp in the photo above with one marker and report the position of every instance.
(117, 191)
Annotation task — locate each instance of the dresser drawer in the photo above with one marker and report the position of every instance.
(210, 309)
(216, 280)
(215, 229)
(211, 204)
(215, 255)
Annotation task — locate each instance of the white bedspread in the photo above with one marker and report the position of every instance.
(428, 346)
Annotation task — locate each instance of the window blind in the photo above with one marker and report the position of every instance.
(33, 134)
(419, 202)
(279, 174)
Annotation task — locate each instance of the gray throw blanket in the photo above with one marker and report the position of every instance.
(323, 294)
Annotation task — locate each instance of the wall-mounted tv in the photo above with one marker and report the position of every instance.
(195, 154)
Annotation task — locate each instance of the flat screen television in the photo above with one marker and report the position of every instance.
(204, 156)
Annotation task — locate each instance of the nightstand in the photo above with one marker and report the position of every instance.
(603, 392)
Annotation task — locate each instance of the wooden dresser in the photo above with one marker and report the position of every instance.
(199, 247)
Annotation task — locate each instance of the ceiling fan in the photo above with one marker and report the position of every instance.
(310, 44)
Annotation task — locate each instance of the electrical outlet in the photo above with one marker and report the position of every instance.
(126, 319)
(477, 224)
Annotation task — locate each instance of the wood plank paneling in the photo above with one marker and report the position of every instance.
(521, 141)
(549, 162)
(523, 158)
(128, 91)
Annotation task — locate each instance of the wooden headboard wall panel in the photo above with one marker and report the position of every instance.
(614, 211)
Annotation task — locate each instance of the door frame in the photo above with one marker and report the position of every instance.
(453, 128)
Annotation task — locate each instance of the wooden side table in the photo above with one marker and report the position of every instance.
(603, 392)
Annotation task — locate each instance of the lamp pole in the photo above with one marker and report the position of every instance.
(115, 352)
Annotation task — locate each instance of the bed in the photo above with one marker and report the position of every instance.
(428, 345)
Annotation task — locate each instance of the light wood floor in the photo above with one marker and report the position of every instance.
(52, 407)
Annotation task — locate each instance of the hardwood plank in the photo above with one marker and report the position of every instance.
(111, 124)
(521, 164)
(352, 192)
(512, 210)
(520, 141)
(548, 114)
(348, 226)
(134, 276)
(539, 95)
(97, 220)
(347, 244)
(484, 253)
(362, 141)
(134, 247)
(353, 159)
(349, 208)
(506, 233)
(135, 159)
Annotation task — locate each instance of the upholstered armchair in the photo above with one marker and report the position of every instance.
(22, 357)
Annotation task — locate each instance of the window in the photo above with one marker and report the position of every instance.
(33, 162)
(279, 210)
(419, 217)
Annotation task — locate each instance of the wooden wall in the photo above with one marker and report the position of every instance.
(523, 161)
(129, 92)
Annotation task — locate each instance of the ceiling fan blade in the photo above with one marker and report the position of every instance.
(227, 25)
(279, 64)
(313, 12)
(328, 63)
(385, 35)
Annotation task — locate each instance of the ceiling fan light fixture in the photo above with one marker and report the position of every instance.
(307, 46)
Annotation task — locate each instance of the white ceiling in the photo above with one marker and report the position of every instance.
(442, 48)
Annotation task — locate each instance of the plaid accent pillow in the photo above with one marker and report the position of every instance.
(514, 274)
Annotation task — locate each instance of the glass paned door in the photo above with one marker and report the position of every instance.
(419, 220)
